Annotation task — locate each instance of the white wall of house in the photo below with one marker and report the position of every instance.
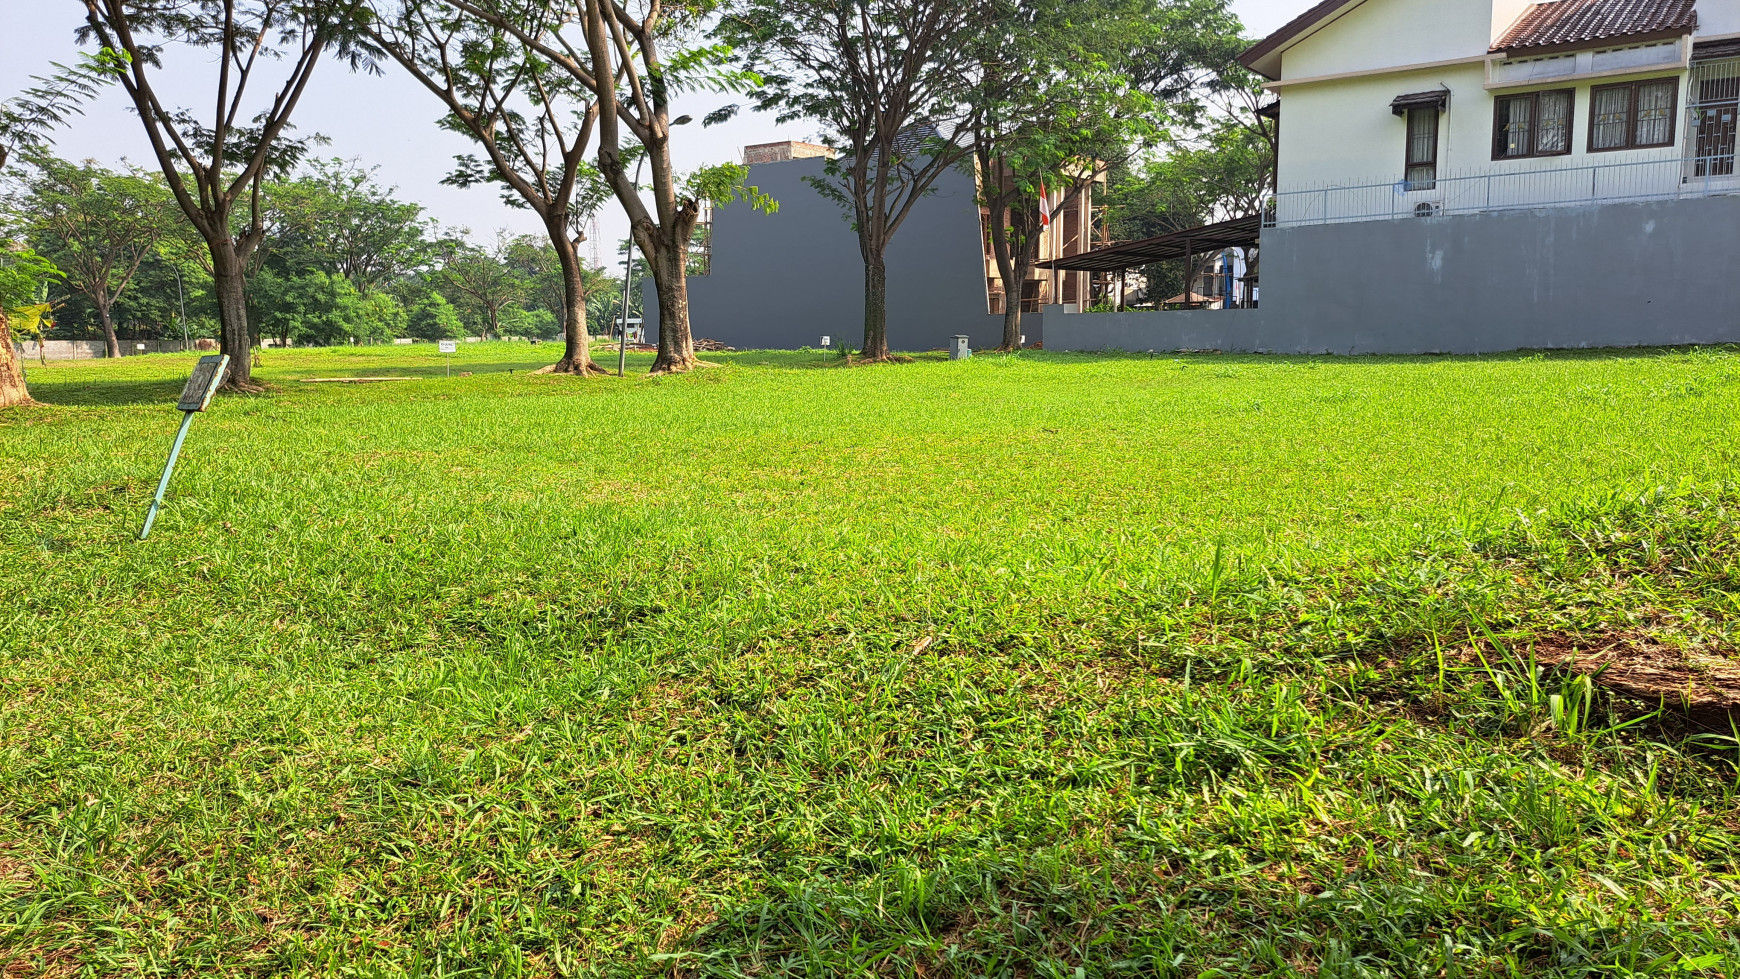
(1718, 17)
(1342, 132)
(1337, 128)
(1380, 34)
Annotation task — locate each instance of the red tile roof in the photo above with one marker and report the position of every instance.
(1563, 23)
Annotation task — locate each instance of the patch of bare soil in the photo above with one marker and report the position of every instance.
(1706, 688)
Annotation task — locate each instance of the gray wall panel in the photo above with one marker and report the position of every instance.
(782, 280)
(1620, 275)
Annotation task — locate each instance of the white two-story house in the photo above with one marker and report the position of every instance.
(1469, 175)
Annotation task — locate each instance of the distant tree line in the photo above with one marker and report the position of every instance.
(340, 260)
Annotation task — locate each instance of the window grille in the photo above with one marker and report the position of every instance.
(1714, 108)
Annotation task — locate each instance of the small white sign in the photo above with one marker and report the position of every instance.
(827, 342)
(449, 346)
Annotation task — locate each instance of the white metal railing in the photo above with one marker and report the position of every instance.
(1669, 178)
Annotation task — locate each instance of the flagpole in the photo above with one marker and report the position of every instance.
(1056, 253)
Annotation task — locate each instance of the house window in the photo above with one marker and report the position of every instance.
(1537, 124)
(1634, 115)
(1422, 163)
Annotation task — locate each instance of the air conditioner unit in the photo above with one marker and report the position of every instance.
(1429, 209)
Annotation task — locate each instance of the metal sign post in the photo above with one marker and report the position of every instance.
(448, 347)
(622, 340)
(195, 398)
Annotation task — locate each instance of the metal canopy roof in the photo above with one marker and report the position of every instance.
(1436, 99)
(1237, 233)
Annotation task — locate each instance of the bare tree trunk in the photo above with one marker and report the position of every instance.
(1012, 285)
(669, 264)
(231, 286)
(577, 342)
(1012, 314)
(1023, 261)
(875, 310)
(12, 389)
(111, 342)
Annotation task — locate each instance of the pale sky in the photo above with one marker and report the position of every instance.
(388, 122)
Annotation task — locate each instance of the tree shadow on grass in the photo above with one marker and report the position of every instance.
(1362, 359)
(85, 393)
(96, 391)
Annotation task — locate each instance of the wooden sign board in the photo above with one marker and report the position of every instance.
(207, 375)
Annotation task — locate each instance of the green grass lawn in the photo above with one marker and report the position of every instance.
(1054, 665)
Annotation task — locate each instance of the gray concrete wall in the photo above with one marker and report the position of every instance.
(92, 349)
(1233, 331)
(782, 280)
(1619, 275)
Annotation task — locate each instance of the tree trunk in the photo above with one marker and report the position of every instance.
(875, 310)
(669, 261)
(1013, 266)
(1023, 264)
(111, 342)
(1012, 284)
(577, 341)
(12, 389)
(231, 286)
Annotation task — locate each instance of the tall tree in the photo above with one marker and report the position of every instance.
(333, 217)
(217, 168)
(483, 281)
(23, 276)
(533, 121)
(1069, 89)
(97, 225)
(434, 318)
(311, 308)
(1233, 96)
(635, 56)
(1219, 163)
(889, 81)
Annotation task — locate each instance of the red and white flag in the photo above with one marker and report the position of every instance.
(1044, 207)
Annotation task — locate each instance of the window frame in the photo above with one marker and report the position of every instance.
(1408, 162)
(1631, 143)
(1535, 124)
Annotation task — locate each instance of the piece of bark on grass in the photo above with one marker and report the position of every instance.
(1706, 689)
